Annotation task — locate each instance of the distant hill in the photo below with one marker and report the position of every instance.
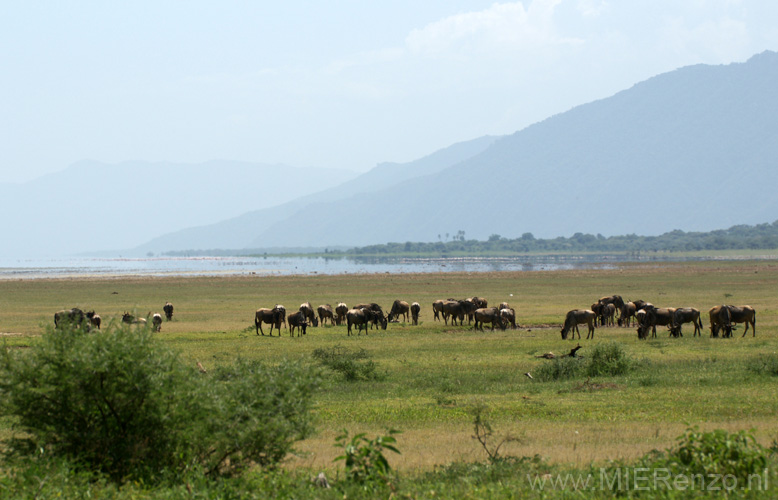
(243, 231)
(93, 206)
(693, 149)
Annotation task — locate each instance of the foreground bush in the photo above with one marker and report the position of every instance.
(120, 403)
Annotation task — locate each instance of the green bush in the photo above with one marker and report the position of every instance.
(717, 453)
(354, 365)
(608, 359)
(120, 403)
(364, 458)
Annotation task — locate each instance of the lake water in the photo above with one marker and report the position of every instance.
(226, 266)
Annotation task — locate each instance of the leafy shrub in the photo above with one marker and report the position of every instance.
(364, 458)
(560, 369)
(354, 365)
(765, 364)
(709, 454)
(121, 403)
(608, 359)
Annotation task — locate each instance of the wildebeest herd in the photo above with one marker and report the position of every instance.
(90, 320)
(647, 317)
(607, 311)
(371, 314)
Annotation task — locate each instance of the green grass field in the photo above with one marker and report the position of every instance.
(436, 374)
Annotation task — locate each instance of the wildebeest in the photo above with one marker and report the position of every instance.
(726, 315)
(480, 302)
(437, 309)
(168, 309)
(415, 310)
(73, 316)
(281, 314)
(269, 316)
(325, 312)
(454, 309)
(487, 315)
(508, 315)
(596, 308)
(359, 317)
(156, 322)
(399, 308)
(662, 316)
(503, 305)
(640, 304)
(628, 311)
(579, 317)
(341, 309)
(132, 320)
(616, 300)
(686, 315)
(376, 316)
(94, 319)
(608, 314)
(297, 320)
(307, 309)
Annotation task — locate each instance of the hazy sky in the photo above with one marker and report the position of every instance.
(339, 83)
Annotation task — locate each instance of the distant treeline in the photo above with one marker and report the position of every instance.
(741, 237)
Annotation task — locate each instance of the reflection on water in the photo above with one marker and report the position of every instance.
(223, 266)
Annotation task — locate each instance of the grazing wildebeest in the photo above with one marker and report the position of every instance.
(628, 311)
(487, 315)
(454, 309)
(168, 308)
(437, 309)
(686, 315)
(727, 315)
(325, 312)
(297, 320)
(341, 309)
(156, 322)
(508, 315)
(608, 314)
(94, 319)
(376, 316)
(579, 317)
(399, 308)
(269, 316)
(307, 310)
(662, 316)
(415, 310)
(132, 320)
(75, 316)
(359, 317)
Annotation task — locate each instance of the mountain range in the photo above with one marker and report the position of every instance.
(693, 149)
(95, 206)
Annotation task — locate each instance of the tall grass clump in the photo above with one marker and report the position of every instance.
(352, 364)
(766, 364)
(562, 368)
(119, 403)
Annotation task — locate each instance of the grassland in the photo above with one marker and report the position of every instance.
(435, 374)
